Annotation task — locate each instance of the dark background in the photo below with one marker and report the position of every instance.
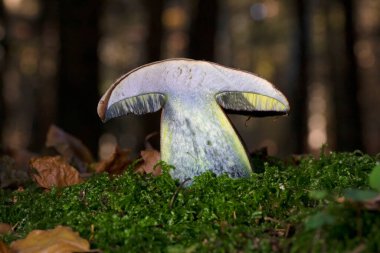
(58, 57)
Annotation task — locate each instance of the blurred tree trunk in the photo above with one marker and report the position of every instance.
(78, 71)
(46, 90)
(298, 105)
(155, 29)
(20, 76)
(347, 109)
(344, 75)
(203, 30)
(3, 57)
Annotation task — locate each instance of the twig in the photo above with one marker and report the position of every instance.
(176, 193)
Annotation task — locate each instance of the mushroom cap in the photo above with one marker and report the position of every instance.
(146, 89)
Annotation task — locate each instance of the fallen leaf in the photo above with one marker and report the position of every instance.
(58, 240)
(150, 159)
(71, 148)
(4, 248)
(54, 171)
(5, 228)
(117, 163)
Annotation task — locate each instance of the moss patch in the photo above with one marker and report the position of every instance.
(288, 207)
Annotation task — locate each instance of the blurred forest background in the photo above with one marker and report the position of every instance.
(58, 57)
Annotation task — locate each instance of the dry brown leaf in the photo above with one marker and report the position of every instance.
(54, 171)
(150, 159)
(59, 240)
(4, 248)
(117, 163)
(71, 148)
(5, 228)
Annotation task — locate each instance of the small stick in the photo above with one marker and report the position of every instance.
(176, 193)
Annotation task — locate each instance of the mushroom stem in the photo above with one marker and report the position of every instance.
(200, 139)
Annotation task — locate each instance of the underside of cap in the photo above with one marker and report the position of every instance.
(251, 104)
(147, 103)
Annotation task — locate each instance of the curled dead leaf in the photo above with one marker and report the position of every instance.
(58, 240)
(117, 163)
(71, 148)
(5, 228)
(150, 159)
(53, 171)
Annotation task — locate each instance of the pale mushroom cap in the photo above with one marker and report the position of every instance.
(180, 77)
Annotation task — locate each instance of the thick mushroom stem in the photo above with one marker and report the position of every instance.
(196, 136)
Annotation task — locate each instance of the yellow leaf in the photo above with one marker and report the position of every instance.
(59, 240)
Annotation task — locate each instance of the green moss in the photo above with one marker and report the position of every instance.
(287, 207)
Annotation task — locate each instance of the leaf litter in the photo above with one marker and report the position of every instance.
(52, 172)
(59, 171)
(69, 147)
(117, 163)
(150, 165)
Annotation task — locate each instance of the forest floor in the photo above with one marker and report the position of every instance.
(305, 204)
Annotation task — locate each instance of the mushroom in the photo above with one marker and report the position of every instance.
(196, 135)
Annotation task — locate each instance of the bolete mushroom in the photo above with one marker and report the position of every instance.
(196, 135)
